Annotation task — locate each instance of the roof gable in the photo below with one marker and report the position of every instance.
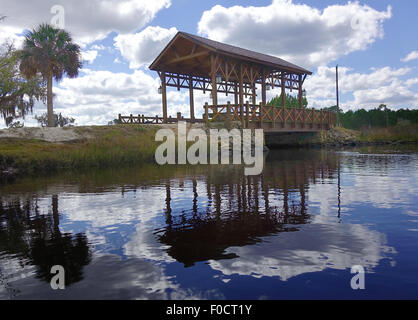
(229, 50)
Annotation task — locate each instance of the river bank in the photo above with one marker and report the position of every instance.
(45, 150)
(341, 137)
(38, 150)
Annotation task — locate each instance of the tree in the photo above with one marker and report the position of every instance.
(17, 95)
(59, 120)
(290, 101)
(51, 52)
(384, 107)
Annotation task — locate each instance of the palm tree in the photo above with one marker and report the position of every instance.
(51, 52)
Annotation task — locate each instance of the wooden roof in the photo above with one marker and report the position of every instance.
(190, 54)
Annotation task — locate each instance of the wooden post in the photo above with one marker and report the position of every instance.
(228, 111)
(338, 97)
(313, 118)
(164, 96)
(300, 94)
(206, 113)
(294, 117)
(214, 84)
(247, 122)
(254, 99)
(283, 90)
(261, 120)
(236, 101)
(241, 94)
(131, 118)
(120, 119)
(191, 96)
(263, 89)
(303, 118)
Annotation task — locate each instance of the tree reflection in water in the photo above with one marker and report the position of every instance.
(35, 239)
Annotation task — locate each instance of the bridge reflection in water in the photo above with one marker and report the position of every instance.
(226, 209)
(240, 210)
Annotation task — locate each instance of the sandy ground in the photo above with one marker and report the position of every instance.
(45, 134)
(67, 134)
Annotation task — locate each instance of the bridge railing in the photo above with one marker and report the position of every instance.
(271, 115)
(142, 119)
(268, 117)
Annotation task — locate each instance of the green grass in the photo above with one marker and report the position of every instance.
(392, 134)
(106, 146)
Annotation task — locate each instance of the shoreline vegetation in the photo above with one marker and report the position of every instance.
(49, 150)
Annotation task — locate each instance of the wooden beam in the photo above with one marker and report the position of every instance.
(191, 98)
(236, 101)
(164, 96)
(213, 79)
(283, 91)
(263, 89)
(300, 94)
(253, 91)
(241, 94)
(190, 56)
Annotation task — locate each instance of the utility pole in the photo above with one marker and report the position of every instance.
(338, 96)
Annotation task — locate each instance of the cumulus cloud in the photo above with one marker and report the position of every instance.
(89, 56)
(96, 97)
(88, 21)
(411, 82)
(396, 94)
(140, 49)
(322, 35)
(411, 56)
(381, 85)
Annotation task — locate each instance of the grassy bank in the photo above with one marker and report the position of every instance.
(116, 146)
(98, 147)
(391, 134)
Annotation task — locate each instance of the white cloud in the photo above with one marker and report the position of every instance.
(411, 82)
(322, 35)
(98, 47)
(396, 94)
(96, 97)
(88, 21)
(351, 245)
(89, 56)
(382, 85)
(140, 49)
(411, 56)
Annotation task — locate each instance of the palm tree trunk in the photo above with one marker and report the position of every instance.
(51, 122)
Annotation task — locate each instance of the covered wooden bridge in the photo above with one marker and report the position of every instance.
(195, 63)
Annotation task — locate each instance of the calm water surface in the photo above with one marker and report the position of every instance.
(212, 233)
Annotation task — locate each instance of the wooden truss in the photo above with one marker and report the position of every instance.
(196, 64)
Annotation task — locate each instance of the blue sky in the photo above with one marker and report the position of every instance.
(373, 41)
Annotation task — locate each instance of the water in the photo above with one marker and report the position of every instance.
(212, 233)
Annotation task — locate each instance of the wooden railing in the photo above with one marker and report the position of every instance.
(142, 119)
(273, 116)
(267, 117)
